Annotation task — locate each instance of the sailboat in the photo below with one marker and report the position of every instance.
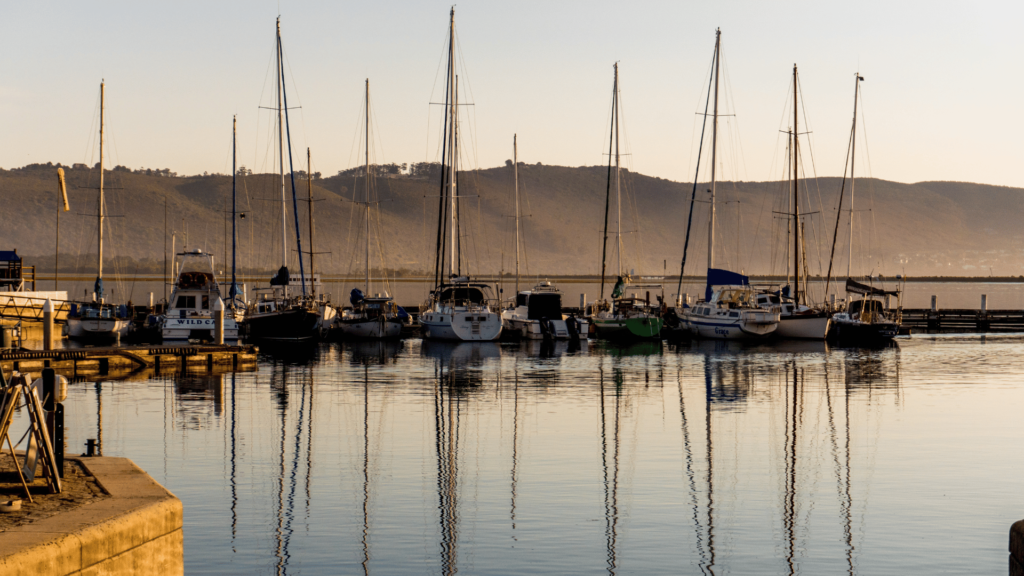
(374, 316)
(796, 319)
(457, 308)
(537, 314)
(276, 314)
(625, 317)
(868, 319)
(729, 310)
(98, 319)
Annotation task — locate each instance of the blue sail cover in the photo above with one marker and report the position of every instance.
(355, 296)
(720, 277)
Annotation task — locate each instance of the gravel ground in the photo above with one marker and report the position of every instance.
(78, 489)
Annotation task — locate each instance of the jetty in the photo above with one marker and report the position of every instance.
(132, 360)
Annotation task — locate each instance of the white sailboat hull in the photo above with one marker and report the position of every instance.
(85, 328)
(745, 326)
(804, 328)
(464, 325)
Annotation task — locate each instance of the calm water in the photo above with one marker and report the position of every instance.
(419, 458)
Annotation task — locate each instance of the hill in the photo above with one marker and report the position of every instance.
(927, 228)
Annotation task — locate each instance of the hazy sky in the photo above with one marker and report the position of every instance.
(942, 88)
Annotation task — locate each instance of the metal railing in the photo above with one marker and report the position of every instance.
(14, 305)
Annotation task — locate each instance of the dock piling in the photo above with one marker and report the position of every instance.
(48, 325)
(982, 322)
(218, 322)
(934, 321)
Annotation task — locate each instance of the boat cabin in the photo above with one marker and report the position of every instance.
(540, 305)
(733, 297)
(866, 305)
(195, 288)
(464, 294)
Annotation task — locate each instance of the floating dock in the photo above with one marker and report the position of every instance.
(132, 360)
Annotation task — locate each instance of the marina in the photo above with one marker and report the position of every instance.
(538, 306)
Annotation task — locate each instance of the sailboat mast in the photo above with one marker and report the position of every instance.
(452, 178)
(234, 206)
(280, 150)
(796, 201)
(515, 178)
(367, 186)
(618, 191)
(842, 190)
(853, 159)
(99, 213)
(451, 142)
(309, 193)
(608, 185)
(714, 152)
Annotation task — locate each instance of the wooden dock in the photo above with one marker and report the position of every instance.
(123, 361)
(963, 320)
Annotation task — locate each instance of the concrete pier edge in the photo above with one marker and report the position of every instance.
(138, 530)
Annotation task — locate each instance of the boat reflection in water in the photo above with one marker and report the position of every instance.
(492, 460)
(464, 354)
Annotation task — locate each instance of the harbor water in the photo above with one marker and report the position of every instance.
(415, 457)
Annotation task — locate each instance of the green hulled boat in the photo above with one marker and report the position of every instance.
(630, 319)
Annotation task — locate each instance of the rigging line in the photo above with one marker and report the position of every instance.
(291, 167)
(842, 189)
(693, 193)
(814, 170)
(871, 181)
(608, 186)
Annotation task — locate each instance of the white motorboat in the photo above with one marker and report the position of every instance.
(537, 315)
(190, 314)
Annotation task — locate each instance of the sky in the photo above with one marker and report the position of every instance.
(942, 86)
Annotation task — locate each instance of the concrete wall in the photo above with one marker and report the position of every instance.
(135, 531)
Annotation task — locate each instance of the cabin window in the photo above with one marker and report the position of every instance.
(206, 302)
(521, 300)
(186, 302)
(707, 311)
(548, 306)
(734, 314)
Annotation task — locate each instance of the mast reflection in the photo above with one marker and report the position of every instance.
(611, 478)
